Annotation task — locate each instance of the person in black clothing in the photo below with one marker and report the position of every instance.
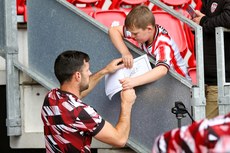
(214, 13)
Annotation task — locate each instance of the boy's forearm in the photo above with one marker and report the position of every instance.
(151, 76)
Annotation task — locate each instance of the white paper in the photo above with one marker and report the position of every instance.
(141, 65)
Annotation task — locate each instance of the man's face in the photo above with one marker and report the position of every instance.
(85, 73)
(140, 35)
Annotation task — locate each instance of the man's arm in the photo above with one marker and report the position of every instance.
(118, 135)
(96, 77)
(116, 35)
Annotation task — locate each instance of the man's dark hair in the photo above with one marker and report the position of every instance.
(67, 63)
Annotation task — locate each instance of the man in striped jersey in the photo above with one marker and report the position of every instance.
(153, 40)
(204, 136)
(70, 124)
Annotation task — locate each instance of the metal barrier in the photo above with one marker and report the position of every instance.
(9, 50)
(223, 85)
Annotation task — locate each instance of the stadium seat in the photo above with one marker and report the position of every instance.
(126, 5)
(182, 4)
(192, 74)
(96, 3)
(88, 6)
(22, 9)
(110, 17)
(176, 3)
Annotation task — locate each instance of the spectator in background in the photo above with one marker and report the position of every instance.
(70, 124)
(153, 40)
(214, 13)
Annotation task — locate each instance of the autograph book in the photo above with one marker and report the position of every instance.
(141, 65)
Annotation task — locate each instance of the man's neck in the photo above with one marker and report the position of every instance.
(70, 88)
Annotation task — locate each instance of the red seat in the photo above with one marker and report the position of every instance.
(176, 3)
(126, 5)
(22, 9)
(96, 3)
(192, 74)
(89, 10)
(110, 17)
(88, 6)
(182, 4)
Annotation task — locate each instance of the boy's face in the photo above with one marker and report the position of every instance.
(140, 35)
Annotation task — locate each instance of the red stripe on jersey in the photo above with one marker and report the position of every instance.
(177, 68)
(162, 57)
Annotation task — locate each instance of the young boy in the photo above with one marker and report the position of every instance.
(154, 40)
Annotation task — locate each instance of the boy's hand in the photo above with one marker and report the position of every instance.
(128, 60)
(127, 83)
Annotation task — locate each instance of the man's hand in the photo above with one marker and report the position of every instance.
(118, 135)
(128, 60)
(114, 65)
(198, 17)
(128, 96)
(127, 83)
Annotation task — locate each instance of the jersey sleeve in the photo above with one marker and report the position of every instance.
(127, 34)
(91, 121)
(163, 56)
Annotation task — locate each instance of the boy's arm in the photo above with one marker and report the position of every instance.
(116, 35)
(148, 77)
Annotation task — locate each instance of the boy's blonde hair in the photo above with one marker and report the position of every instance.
(139, 17)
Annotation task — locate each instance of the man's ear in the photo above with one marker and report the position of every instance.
(77, 76)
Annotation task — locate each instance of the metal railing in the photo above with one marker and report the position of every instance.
(223, 85)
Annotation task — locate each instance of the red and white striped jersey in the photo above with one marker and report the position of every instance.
(204, 136)
(69, 124)
(165, 51)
